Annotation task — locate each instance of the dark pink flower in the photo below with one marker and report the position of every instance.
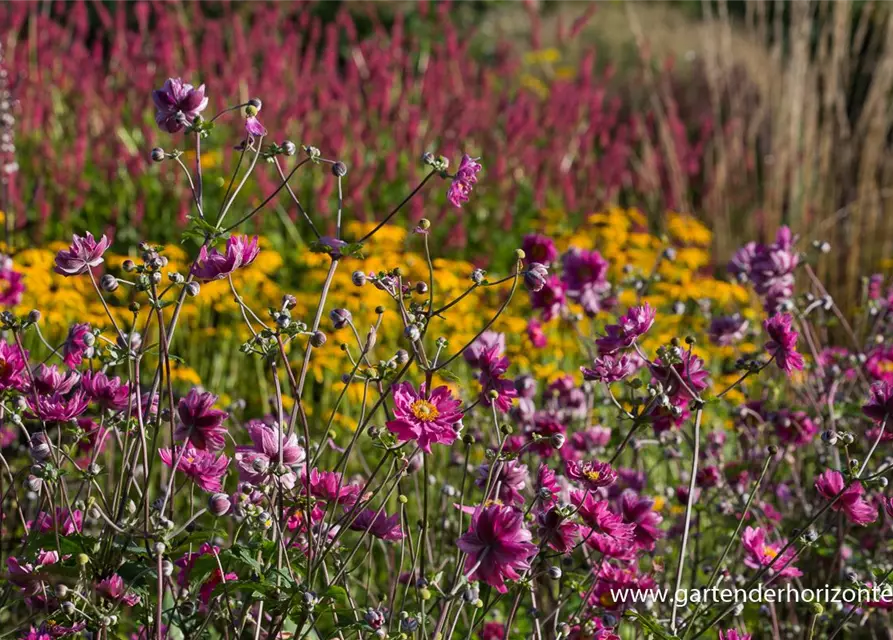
(65, 521)
(93, 438)
(108, 393)
(463, 181)
(607, 531)
(634, 324)
(732, 634)
(58, 407)
(760, 553)
(206, 470)
(584, 276)
(793, 427)
(491, 342)
(539, 248)
(591, 474)
(880, 403)
(113, 588)
(546, 479)
(379, 525)
(683, 378)
(727, 330)
(207, 589)
(492, 631)
(330, 487)
(213, 265)
(782, 342)
(880, 364)
(493, 369)
(12, 365)
(550, 298)
(535, 333)
(254, 128)
(613, 582)
(200, 423)
(639, 511)
(498, 546)
(263, 454)
(84, 253)
(48, 380)
(11, 285)
(610, 369)
(851, 503)
(558, 532)
(426, 420)
(187, 561)
(510, 476)
(76, 347)
(177, 104)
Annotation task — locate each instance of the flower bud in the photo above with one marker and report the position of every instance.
(402, 356)
(412, 333)
(108, 283)
(358, 278)
(555, 572)
(318, 339)
(557, 440)
(219, 504)
(256, 104)
(535, 276)
(167, 568)
(339, 169)
(289, 148)
(34, 316)
(192, 289)
(157, 154)
(340, 318)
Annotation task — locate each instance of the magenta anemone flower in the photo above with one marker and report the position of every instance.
(426, 420)
(463, 181)
(254, 128)
(592, 475)
(794, 427)
(263, 454)
(12, 366)
(113, 589)
(75, 347)
(760, 553)
(84, 253)
(539, 248)
(108, 393)
(610, 369)
(48, 380)
(733, 634)
(727, 330)
(207, 589)
(606, 531)
(65, 521)
(880, 403)
(550, 298)
(782, 344)
(493, 368)
(11, 285)
(206, 470)
(200, 423)
(880, 364)
(498, 546)
(535, 333)
(381, 526)
(213, 265)
(488, 341)
(331, 487)
(639, 511)
(584, 275)
(58, 407)
(178, 103)
(851, 503)
(629, 328)
(559, 533)
(510, 476)
(682, 379)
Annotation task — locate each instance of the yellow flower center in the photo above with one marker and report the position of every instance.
(593, 475)
(606, 600)
(769, 551)
(4, 367)
(886, 366)
(424, 410)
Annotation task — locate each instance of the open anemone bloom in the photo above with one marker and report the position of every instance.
(727, 330)
(498, 546)
(108, 393)
(62, 520)
(851, 503)
(427, 420)
(782, 344)
(605, 530)
(639, 511)
(114, 590)
(535, 333)
(592, 474)
(631, 326)
(550, 298)
(58, 407)
(493, 369)
(11, 283)
(487, 342)
(206, 592)
(880, 403)
(733, 634)
(794, 427)
(759, 554)
(256, 461)
(510, 476)
(75, 347)
(49, 380)
(682, 380)
(379, 525)
(83, 254)
(12, 366)
(330, 486)
(177, 104)
(27, 575)
(556, 530)
(610, 369)
(200, 423)
(539, 248)
(616, 587)
(213, 265)
(50, 630)
(880, 364)
(584, 275)
(205, 469)
(464, 180)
